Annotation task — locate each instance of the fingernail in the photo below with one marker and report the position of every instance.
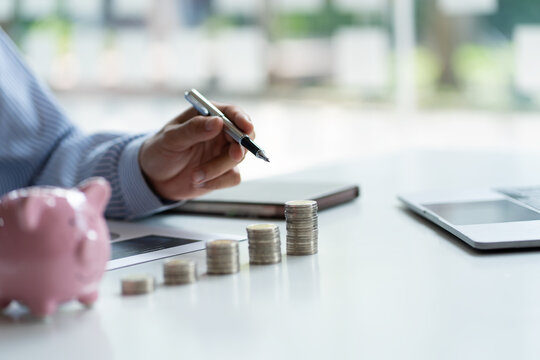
(198, 177)
(211, 124)
(198, 186)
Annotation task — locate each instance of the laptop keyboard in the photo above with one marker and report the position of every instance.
(527, 195)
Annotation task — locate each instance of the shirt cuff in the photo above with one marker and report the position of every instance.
(140, 200)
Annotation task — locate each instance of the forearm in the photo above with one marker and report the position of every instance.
(115, 157)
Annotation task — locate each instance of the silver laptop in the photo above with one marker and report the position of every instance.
(485, 219)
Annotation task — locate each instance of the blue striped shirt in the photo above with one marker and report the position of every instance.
(40, 146)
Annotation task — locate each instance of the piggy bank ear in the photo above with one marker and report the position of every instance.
(97, 191)
(30, 213)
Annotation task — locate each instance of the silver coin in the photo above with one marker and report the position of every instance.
(266, 256)
(302, 234)
(223, 272)
(293, 253)
(297, 221)
(270, 236)
(303, 246)
(264, 243)
(179, 271)
(253, 255)
(300, 212)
(300, 203)
(217, 245)
(301, 231)
(221, 262)
(222, 265)
(302, 227)
(256, 228)
(138, 284)
(293, 212)
(258, 250)
(176, 266)
(265, 261)
(222, 257)
(297, 239)
(302, 223)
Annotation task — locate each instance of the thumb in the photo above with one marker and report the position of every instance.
(195, 130)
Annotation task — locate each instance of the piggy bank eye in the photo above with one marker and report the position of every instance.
(71, 222)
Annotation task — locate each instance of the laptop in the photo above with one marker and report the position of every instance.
(499, 218)
(266, 198)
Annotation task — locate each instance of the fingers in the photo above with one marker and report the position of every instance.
(237, 152)
(230, 178)
(238, 117)
(218, 166)
(182, 187)
(196, 130)
(233, 113)
(185, 115)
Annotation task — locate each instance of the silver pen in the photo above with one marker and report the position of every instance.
(206, 108)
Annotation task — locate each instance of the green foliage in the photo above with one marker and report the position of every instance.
(483, 65)
(215, 23)
(59, 27)
(319, 24)
(427, 68)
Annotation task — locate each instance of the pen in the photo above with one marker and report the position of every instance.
(206, 108)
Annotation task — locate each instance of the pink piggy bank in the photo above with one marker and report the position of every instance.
(54, 245)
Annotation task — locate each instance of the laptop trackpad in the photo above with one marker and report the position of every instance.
(482, 212)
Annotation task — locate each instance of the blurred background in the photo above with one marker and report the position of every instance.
(379, 75)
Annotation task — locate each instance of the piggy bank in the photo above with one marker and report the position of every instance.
(54, 245)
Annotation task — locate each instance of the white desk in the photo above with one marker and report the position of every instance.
(385, 285)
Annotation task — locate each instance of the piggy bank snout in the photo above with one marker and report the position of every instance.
(97, 191)
(89, 247)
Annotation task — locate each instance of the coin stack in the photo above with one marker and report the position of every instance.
(222, 257)
(264, 244)
(302, 227)
(138, 284)
(179, 271)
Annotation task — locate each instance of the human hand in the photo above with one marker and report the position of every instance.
(191, 155)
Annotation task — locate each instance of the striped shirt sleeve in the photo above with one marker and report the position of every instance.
(40, 146)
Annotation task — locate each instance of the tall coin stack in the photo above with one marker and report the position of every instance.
(264, 244)
(179, 271)
(302, 227)
(222, 257)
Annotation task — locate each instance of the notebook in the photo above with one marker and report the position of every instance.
(266, 198)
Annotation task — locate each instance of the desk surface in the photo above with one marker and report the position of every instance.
(385, 285)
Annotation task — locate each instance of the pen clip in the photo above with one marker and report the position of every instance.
(198, 106)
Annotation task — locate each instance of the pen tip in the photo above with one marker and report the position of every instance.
(262, 155)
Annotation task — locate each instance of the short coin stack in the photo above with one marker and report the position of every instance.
(138, 284)
(264, 244)
(222, 257)
(179, 271)
(302, 227)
